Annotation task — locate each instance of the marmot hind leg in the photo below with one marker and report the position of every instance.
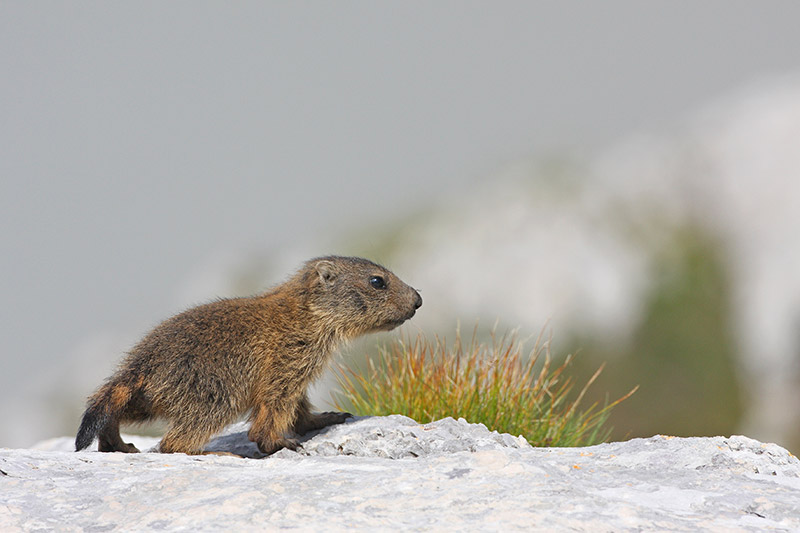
(188, 439)
(137, 408)
(270, 425)
(109, 440)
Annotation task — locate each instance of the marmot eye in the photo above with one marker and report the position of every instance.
(377, 282)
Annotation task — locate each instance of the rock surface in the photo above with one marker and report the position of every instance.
(384, 473)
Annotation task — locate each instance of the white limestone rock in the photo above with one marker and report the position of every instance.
(384, 473)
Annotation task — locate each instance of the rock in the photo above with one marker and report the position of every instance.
(385, 473)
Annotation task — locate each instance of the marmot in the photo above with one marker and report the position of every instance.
(204, 368)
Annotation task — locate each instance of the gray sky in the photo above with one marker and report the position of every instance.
(140, 138)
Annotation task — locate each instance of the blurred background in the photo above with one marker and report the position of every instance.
(623, 174)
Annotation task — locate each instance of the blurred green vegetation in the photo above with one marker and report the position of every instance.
(682, 354)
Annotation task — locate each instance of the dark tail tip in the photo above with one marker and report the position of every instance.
(94, 419)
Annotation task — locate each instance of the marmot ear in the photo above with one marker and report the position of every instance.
(327, 272)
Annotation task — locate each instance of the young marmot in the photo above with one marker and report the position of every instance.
(206, 367)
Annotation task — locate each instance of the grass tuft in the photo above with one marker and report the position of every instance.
(493, 384)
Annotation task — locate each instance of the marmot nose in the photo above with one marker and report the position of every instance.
(417, 300)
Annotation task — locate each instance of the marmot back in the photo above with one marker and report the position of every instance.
(204, 368)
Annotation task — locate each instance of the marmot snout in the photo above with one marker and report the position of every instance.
(204, 368)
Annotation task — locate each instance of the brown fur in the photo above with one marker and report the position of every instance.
(206, 367)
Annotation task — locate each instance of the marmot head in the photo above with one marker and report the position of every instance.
(357, 296)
